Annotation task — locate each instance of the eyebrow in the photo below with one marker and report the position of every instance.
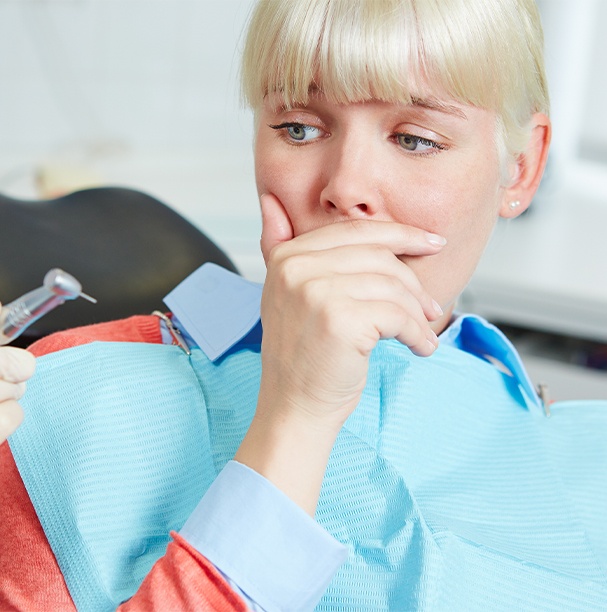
(431, 103)
(434, 104)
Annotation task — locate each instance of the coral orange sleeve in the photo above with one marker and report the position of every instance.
(184, 580)
(30, 577)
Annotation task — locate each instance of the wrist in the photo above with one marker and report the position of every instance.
(291, 450)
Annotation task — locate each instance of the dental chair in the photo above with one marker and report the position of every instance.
(126, 248)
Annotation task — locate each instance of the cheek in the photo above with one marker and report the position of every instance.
(464, 211)
(264, 166)
(467, 224)
(294, 181)
(449, 208)
(464, 203)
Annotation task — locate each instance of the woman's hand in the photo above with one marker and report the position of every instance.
(329, 296)
(16, 366)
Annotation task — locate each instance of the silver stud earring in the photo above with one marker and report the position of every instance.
(514, 204)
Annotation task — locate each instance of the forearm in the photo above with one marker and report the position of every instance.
(291, 451)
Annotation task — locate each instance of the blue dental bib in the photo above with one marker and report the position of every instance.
(449, 492)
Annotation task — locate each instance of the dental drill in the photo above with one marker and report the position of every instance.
(57, 287)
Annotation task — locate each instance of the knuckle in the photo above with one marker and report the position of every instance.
(411, 326)
(289, 271)
(313, 292)
(11, 391)
(382, 252)
(404, 319)
(19, 390)
(396, 286)
(276, 255)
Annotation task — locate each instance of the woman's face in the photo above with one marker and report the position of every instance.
(433, 165)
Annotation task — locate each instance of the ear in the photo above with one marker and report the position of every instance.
(528, 169)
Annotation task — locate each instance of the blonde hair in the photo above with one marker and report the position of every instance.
(487, 53)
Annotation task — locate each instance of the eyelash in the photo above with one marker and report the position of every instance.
(283, 127)
(434, 146)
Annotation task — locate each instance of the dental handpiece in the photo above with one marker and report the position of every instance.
(57, 287)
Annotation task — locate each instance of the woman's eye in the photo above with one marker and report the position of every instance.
(298, 131)
(409, 142)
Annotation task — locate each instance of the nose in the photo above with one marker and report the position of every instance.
(351, 185)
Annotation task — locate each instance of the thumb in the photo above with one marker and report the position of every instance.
(16, 365)
(276, 226)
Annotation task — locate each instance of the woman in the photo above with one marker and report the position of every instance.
(390, 136)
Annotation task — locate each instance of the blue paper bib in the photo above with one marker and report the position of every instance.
(448, 491)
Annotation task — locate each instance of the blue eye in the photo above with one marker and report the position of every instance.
(409, 142)
(298, 131)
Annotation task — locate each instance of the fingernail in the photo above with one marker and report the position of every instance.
(261, 199)
(432, 339)
(432, 346)
(437, 309)
(435, 239)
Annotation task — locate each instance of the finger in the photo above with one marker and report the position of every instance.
(276, 225)
(399, 238)
(11, 391)
(16, 365)
(11, 416)
(391, 321)
(360, 259)
(381, 261)
(385, 289)
(365, 287)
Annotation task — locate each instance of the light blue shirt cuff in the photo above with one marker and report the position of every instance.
(265, 544)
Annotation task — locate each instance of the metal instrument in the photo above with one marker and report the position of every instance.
(57, 287)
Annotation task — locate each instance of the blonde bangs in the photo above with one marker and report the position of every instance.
(487, 53)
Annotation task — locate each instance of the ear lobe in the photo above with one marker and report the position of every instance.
(529, 169)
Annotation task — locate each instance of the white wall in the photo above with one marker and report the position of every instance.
(130, 73)
(594, 125)
(576, 53)
(141, 93)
